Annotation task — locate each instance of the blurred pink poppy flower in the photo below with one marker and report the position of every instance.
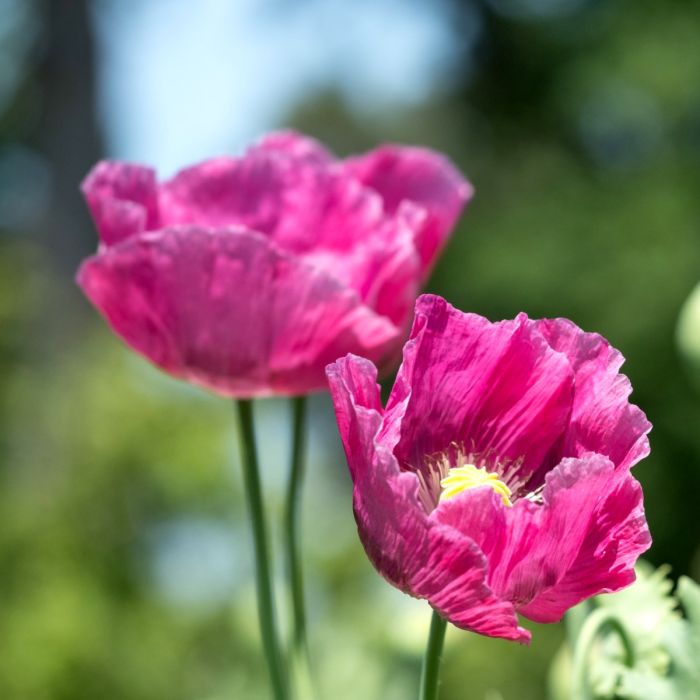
(497, 479)
(248, 275)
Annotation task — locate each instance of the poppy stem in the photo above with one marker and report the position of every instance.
(430, 675)
(299, 651)
(595, 623)
(265, 594)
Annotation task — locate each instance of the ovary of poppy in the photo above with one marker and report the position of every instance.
(496, 480)
(248, 275)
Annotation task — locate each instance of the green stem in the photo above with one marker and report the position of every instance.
(291, 520)
(265, 594)
(574, 620)
(433, 656)
(299, 652)
(595, 623)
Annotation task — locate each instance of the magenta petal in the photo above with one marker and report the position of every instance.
(384, 269)
(609, 501)
(225, 191)
(319, 214)
(417, 555)
(479, 514)
(313, 212)
(544, 540)
(496, 387)
(544, 559)
(419, 175)
(453, 580)
(303, 207)
(227, 310)
(390, 521)
(602, 419)
(519, 543)
(507, 398)
(122, 198)
(290, 144)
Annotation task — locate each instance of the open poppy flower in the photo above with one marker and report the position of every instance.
(248, 275)
(497, 479)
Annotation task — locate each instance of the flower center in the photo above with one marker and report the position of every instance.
(468, 476)
(444, 474)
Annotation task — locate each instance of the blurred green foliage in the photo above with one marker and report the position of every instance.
(641, 643)
(581, 132)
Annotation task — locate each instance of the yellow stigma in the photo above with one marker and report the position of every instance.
(460, 479)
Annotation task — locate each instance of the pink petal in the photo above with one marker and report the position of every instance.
(424, 177)
(302, 206)
(500, 389)
(354, 389)
(423, 558)
(453, 580)
(290, 144)
(546, 558)
(122, 198)
(497, 388)
(384, 269)
(225, 309)
(602, 419)
(390, 521)
(520, 549)
(219, 192)
(328, 218)
(616, 536)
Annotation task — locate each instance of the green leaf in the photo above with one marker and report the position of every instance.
(666, 644)
(683, 643)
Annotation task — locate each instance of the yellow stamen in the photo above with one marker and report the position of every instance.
(460, 479)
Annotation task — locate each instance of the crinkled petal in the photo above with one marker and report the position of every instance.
(301, 206)
(521, 551)
(315, 212)
(417, 555)
(603, 420)
(122, 198)
(225, 309)
(498, 388)
(454, 581)
(291, 144)
(617, 534)
(390, 521)
(225, 191)
(544, 558)
(422, 176)
(383, 269)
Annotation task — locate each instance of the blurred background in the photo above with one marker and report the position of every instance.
(125, 565)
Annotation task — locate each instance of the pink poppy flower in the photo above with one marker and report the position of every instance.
(248, 275)
(497, 479)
